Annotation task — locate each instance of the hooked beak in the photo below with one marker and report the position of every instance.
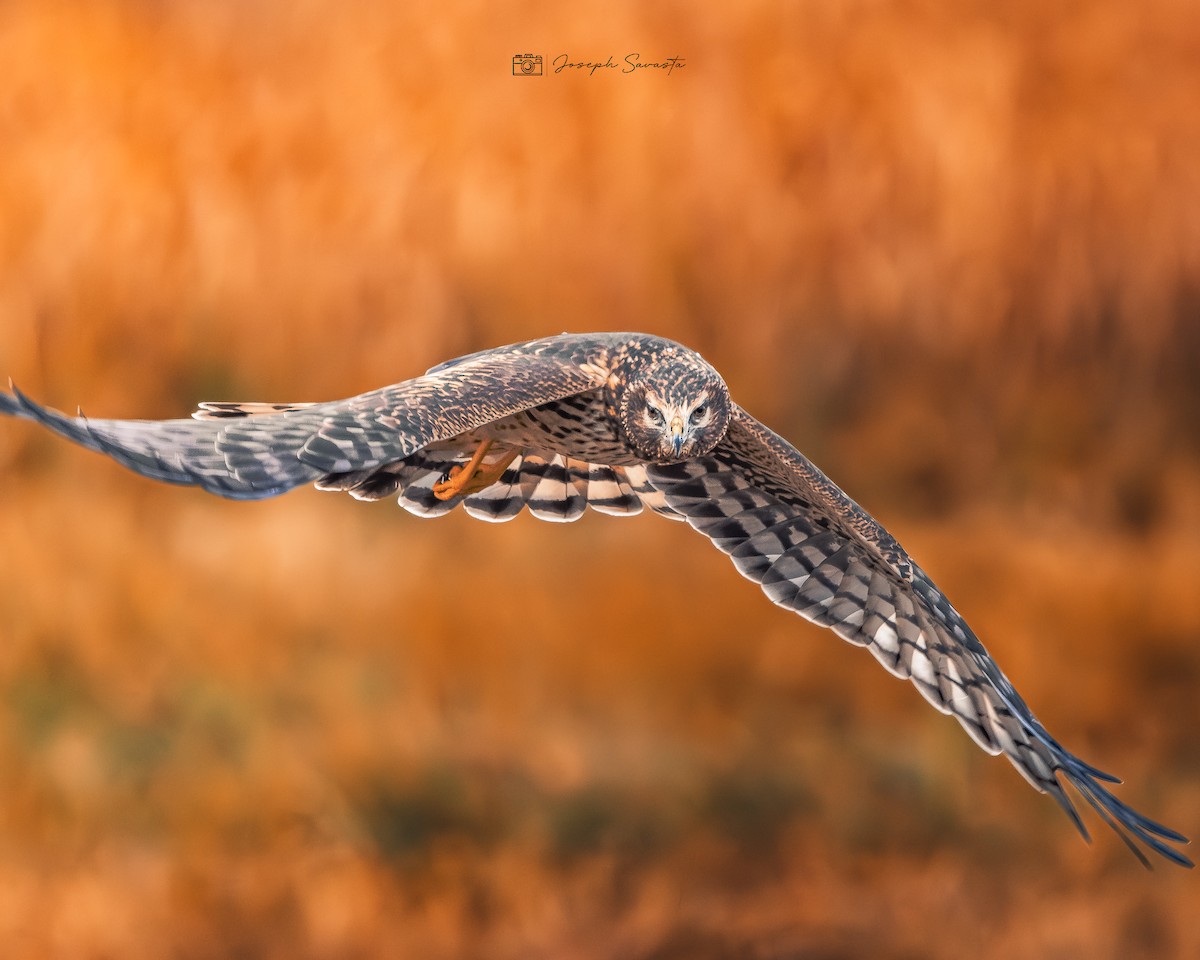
(677, 434)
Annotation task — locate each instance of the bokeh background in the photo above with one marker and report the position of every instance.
(951, 250)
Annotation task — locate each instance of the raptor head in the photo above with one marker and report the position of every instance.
(672, 405)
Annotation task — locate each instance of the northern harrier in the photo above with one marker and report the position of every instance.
(621, 422)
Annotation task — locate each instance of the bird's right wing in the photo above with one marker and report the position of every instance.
(249, 452)
(814, 551)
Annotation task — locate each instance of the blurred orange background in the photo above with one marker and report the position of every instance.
(951, 251)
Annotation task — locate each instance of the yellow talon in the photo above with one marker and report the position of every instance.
(463, 481)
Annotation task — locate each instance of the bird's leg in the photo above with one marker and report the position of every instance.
(457, 478)
(474, 476)
(485, 476)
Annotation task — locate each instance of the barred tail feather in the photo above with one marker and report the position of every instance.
(550, 486)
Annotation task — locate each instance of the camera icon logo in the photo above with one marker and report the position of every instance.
(527, 65)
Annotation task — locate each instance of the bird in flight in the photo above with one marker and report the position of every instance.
(622, 422)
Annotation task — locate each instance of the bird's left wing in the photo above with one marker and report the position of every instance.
(249, 452)
(813, 550)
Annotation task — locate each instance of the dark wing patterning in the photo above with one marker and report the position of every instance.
(252, 457)
(814, 551)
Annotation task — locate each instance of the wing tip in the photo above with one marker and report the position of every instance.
(19, 404)
(8, 400)
(1130, 825)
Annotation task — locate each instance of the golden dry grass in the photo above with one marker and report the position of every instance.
(952, 251)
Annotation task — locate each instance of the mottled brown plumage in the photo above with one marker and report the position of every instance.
(622, 422)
